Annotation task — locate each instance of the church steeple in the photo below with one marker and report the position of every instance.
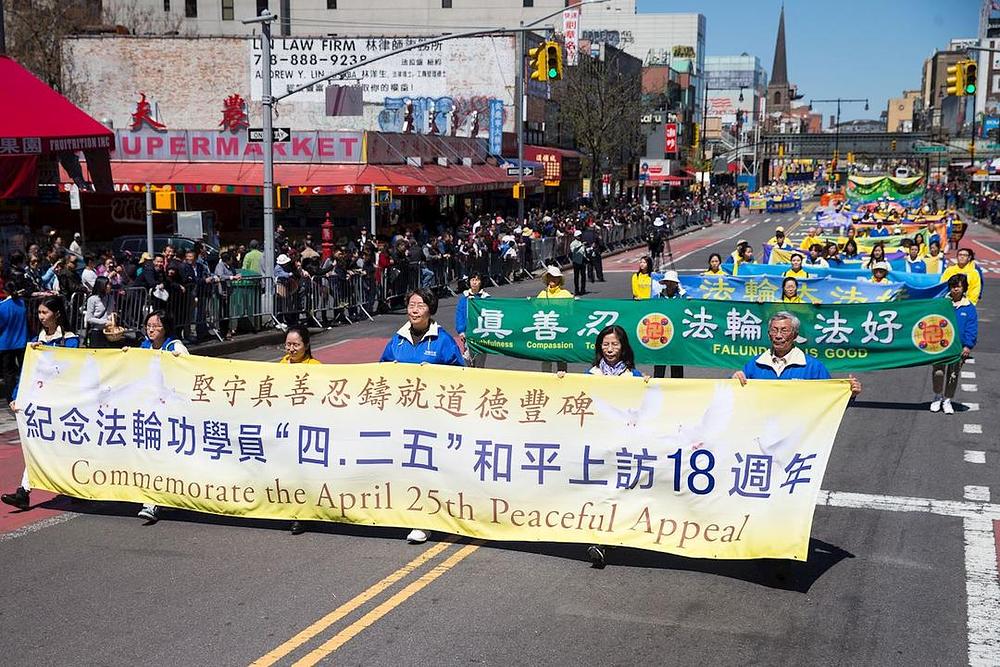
(779, 71)
(779, 92)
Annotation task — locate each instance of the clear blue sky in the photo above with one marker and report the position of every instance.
(839, 48)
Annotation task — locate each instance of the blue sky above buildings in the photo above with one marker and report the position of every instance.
(848, 48)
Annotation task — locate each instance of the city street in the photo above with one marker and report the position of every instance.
(902, 568)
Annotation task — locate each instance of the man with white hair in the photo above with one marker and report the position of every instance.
(785, 361)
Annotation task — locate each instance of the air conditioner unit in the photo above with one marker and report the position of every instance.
(442, 161)
(414, 161)
(467, 162)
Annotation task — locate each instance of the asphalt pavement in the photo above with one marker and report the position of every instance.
(902, 567)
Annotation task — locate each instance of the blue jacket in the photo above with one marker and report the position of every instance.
(436, 347)
(800, 366)
(967, 319)
(916, 266)
(462, 309)
(13, 324)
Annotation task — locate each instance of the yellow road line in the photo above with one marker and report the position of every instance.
(378, 612)
(343, 610)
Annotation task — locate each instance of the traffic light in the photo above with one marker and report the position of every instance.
(553, 59)
(166, 200)
(970, 76)
(697, 135)
(956, 79)
(538, 63)
(281, 196)
(518, 191)
(383, 196)
(850, 157)
(892, 144)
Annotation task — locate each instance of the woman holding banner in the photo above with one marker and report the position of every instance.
(298, 351)
(613, 356)
(158, 326)
(714, 265)
(422, 341)
(790, 290)
(945, 376)
(52, 316)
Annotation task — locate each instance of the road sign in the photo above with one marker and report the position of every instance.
(255, 135)
(930, 149)
(526, 171)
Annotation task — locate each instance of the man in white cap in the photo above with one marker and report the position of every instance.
(578, 255)
(880, 273)
(670, 286)
(75, 245)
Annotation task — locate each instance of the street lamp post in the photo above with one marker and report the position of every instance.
(838, 101)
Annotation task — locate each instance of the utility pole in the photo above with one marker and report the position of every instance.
(265, 19)
(519, 119)
(149, 220)
(3, 32)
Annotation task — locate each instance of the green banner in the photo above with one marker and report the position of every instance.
(845, 337)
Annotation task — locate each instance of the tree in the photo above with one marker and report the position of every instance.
(35, 29)
(603, 103)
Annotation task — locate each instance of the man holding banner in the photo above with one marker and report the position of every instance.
(785, 361)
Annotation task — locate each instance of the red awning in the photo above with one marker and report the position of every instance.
(307, 179)
(37, 121)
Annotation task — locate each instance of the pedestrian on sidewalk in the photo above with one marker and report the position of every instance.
(13, 332)
(945, 376)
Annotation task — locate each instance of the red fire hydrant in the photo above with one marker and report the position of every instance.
(327, 228)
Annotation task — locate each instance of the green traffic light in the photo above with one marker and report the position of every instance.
(553, 72)
(970, 89)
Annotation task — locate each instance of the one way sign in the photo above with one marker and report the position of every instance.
(526, 171)
(255, 135)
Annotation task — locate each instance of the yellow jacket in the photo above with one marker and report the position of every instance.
(808, 242)
(796, 299)
(558, 293)
(641, 285)
(710, 272)
(975, 282)
(308, 360)
(801, 273)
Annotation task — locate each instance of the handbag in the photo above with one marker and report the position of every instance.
(112, 331)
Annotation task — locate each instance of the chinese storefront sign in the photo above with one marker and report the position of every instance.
(143, 116)
(329, 147)
(551, 163)
(670, 138)
(717, 331)
(699, 468)
(234, 114)
(571, 33)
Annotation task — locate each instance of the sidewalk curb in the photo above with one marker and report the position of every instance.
(275, 337)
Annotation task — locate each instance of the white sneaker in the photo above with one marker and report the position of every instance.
(936, 405)
(149, 513)
(946, 406)
(417, 536)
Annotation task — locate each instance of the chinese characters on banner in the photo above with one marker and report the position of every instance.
(490, 454)
(670, 138)
(571, 33)
(717, 331)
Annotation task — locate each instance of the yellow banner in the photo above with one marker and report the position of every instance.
(701, 468)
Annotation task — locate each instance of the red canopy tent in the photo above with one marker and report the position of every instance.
(36, 121)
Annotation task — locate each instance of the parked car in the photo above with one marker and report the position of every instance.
(135, 245)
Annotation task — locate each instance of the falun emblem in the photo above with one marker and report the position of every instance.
(654, 331)
(933, 334)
